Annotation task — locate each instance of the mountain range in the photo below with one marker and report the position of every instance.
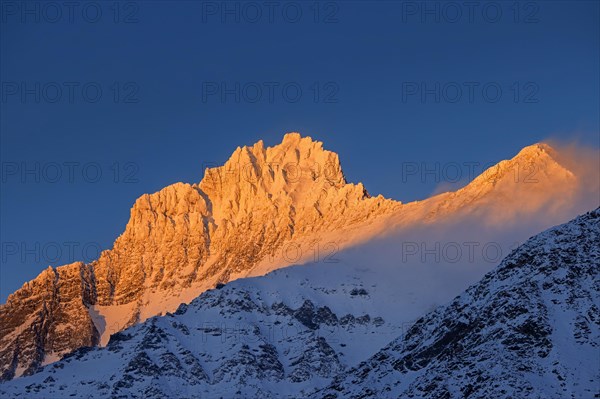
(528, 329)
(157, 299)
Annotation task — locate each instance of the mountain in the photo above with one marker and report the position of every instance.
(515, 188)
(264, 209)
(242, 340)
(528, 329)
(181, 241)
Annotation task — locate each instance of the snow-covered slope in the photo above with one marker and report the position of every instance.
(528, 329)
(318, 319)
(279, 334)
(266, 208)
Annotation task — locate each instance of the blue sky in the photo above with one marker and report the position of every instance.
(101, 105)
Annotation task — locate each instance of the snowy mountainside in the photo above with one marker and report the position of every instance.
(343, 308)
(296, 329)
(271, 336)
(528, 329)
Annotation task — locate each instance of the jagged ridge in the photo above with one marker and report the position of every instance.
(183, 240)
(186, 238)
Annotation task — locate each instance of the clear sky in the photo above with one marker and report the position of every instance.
(100, 104)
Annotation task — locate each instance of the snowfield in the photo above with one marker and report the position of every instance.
(528, 329)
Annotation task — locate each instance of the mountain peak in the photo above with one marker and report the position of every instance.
(296, 140)
(533, 163)
(292, 165)
(536, 150)
(293, 137)
(535, 178)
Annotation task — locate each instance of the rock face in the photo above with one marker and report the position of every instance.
(181, 241)
(48, 315)
(245, 218)
(529, 329)
(240, 213)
